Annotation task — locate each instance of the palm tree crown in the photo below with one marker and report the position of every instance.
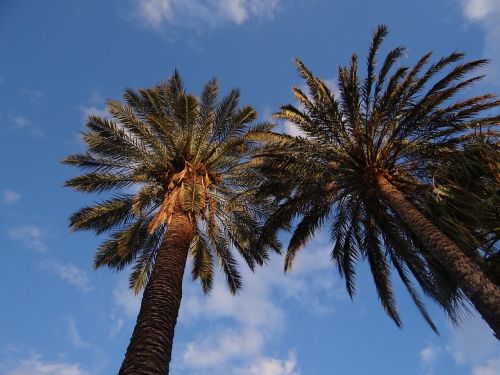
(385, 132)
(174, 150)
(175, 158)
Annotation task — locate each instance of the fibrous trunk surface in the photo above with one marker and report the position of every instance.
(150, 348)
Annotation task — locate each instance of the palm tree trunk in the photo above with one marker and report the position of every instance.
(483, 294)
(150, 348)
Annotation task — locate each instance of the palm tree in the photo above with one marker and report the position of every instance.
(366, 162)
(179, 162)
(465, 203)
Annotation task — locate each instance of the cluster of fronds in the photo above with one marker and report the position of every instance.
(165, 149)
(389, 124)
(465, 202)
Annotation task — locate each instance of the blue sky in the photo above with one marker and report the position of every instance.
(59, 61)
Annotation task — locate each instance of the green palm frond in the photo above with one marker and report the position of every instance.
(380, 270)
(104, 216)
(143, 267)
(123, 246)
(311, 221)
(102, 181)
(227, 263)
(95, 164)
(202, 256)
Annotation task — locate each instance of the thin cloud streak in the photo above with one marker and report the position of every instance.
(37, 366)
(70, 273)
(30, 236)
(19, 122)
(75, 337)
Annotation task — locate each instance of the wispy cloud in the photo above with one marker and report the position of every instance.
(486, 14)
(473, 343)
(70, 273)
(31, 236)
(10, 196)
(21, 122)
(74, 335)
(37, 366)
(34, 96)
(199, 14)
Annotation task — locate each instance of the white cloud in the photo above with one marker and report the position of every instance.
(30, 236)
(74, 335)
(155, 12)
(492, 367)
(202, 13)
(472, 347)
(10, 196)
(70, 273)
(272, 366)
(36, 366)
(255, 316)
(428, 358)
(251, 320)
(477, 10)
(429, 354)
(472, 343)
(228, 345)
(486, 14)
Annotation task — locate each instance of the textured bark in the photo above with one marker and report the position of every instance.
(483, 294)
(150, 348)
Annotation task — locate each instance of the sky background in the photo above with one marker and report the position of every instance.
(60, 60)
